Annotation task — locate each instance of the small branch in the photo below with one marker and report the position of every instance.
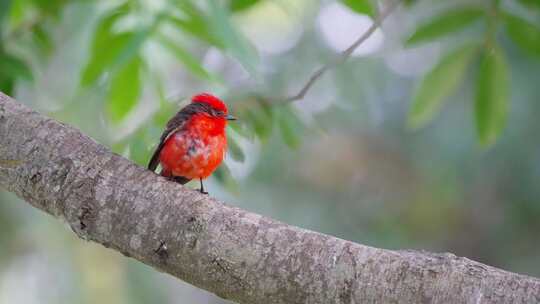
(346, 53)
(236, 254)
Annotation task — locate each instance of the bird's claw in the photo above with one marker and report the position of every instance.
(202, 191)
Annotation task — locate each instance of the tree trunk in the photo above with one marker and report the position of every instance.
(235, 254)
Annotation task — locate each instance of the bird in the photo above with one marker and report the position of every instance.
(194, 141)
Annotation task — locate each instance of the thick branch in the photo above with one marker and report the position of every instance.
(236, 254)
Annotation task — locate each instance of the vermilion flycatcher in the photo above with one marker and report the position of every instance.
(194, 141)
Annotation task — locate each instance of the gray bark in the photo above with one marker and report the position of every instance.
(235, 254)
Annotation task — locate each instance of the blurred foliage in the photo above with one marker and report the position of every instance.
(446, 23)
(492, 95)
(439, 83)
(361, 6)
(524, 33)
(491, 102)
(385, 186)
(118, 64)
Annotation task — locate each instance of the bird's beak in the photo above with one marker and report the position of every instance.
(230, 117)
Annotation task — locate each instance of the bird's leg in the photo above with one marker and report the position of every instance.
(202, 187)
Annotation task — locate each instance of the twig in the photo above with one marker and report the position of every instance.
(345, 54)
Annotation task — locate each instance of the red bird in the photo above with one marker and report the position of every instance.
(194, 141)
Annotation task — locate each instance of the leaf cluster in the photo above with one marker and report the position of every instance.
(483, 56)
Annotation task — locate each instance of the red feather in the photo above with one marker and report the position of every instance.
(211, 100)
(194, 143)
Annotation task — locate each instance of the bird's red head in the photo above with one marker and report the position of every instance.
(214, 102)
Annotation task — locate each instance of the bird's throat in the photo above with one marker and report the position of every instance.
(206, 125)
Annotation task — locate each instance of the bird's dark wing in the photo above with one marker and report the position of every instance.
(175, 124)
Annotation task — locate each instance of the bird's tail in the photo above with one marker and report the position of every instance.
(154, 161)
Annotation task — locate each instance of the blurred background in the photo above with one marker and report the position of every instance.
(426, 138)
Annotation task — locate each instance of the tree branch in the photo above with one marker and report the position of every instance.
(345, 54)
(233, 253)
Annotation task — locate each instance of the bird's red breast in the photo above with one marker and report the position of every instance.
(197, 150)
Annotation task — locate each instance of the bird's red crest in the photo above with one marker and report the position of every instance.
(211, 100)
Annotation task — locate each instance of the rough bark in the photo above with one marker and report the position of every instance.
(233, 253)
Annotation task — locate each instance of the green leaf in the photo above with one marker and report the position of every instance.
(240, 5)
(360, 6)
(525, 34)
(51, 7)
(491, 96)
(242, 129)
(438, 84)
(18, 10)
(106, 46)
(259, 123)
(190, 62)
(133, 45)
(104, 29)
(42, 40)
(531, 3)
(110, 49)
(125, 90)
(260, 117)
(235, 150)
(290, 125)
(195, 23)
(7, 84)
(235, 43)
(446, 23)
(100, 61)
(13, 67)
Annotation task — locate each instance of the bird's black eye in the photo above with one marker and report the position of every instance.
(218, 113)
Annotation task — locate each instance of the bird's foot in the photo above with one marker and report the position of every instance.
(201, 190)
